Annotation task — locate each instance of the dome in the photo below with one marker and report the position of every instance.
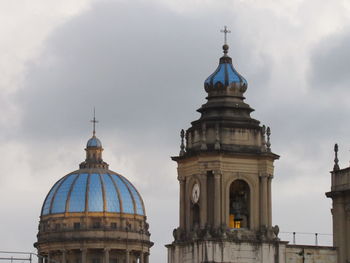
(94, 142)
(93, 191)
(225, 74)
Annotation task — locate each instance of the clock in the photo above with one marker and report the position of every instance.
(195, 193)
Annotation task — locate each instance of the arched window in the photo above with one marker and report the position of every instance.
(195, 215)
(239, 204)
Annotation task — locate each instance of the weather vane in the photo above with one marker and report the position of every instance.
(225, 31)
(94, 121)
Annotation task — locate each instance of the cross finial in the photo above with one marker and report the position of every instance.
(94, 121)
(225, 31)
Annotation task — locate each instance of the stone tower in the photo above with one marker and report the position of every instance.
(225, 170)
(340, 194)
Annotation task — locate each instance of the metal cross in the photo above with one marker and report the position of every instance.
(225, 31)
(94, 121)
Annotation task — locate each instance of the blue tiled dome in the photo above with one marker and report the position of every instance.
(225, 74)
(80, 192)
(94, 142)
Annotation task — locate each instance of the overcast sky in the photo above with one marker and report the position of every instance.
(142, 64)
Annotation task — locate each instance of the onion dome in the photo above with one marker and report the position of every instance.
(225, 74)
(225, 77)
(225, 88)
(225, 123)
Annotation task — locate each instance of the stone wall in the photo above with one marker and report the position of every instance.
(310, 254)
(248, 252)
(226, 252)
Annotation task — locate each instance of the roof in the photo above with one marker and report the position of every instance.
(94, 142)
(93, 191)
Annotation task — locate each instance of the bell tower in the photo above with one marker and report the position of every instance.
(225, 170)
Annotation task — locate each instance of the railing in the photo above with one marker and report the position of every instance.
(307, 238)
(11, 256)
(20, 256)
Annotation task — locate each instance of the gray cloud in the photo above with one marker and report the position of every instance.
(143, 67)
(140, 65)
(330, 63)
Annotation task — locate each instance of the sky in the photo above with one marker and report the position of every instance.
(142, 65)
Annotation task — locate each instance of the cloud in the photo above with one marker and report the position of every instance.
(330, 63)
(142, 65)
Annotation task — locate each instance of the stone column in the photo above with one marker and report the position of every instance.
(347, 234)
(203, 201)
(182, 201)
(106, 256)
(146, 258)
(263, 208)
(64, 252)
(176, 255)
(142, 259)
(187, 207)
(40, 259)
(127, 256)
(341, 234)
(217, 199)
(269, 201)
(83, 255)
(48, 257)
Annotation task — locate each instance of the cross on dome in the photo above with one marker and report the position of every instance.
(225, 31)
(94, 121)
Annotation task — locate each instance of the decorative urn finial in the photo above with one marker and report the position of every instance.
(336, 161)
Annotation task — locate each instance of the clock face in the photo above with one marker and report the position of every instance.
(195, 193)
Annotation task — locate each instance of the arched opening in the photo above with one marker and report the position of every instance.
(195, 216)
(239, 204)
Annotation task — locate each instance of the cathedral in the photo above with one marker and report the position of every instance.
(225, 173)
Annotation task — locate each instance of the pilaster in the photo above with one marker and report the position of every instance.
(269, 200)
(217, 199)
(83, 255)
(263, 199)
(127, 256)
(142, 260)
(64, 255)
(182, 181)
(203, 201)
(106, 255)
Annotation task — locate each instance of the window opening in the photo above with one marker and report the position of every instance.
(239, 204)
(195, 215)
(96, 224)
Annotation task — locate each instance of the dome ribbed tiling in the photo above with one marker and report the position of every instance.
(225, 74)
(80, 192)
